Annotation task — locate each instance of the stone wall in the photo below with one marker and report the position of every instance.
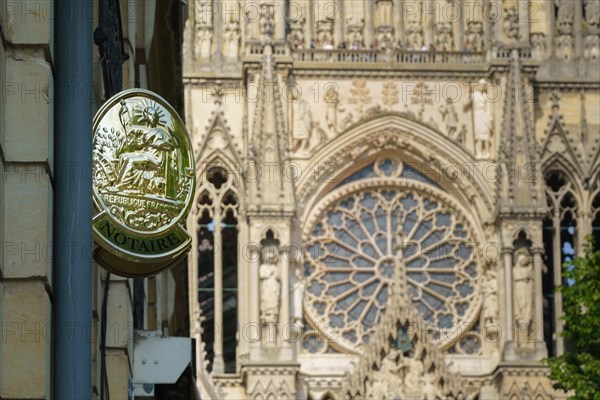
(26, 148)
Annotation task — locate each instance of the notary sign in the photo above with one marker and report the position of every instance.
(144, 182)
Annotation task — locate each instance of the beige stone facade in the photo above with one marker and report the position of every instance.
(386, 192)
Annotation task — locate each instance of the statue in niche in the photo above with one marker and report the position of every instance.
(296, 35)
(450, 117)
(385, 37)
(387, 381)
(592, 16)
(474, 36)
(354, 32)
(538, 45)
(592, 39)
(565, 16)
(266, 22)
(232, 39)
(564, 23)
(483, 121)
(511, 23)
(204, 36)
(298, 296)
(523, 291)
(414, 36)
(325, 33)
(489, 312)
(443, 36)
(270, 285)
(591, 46)
(303, 127)
(332, 101)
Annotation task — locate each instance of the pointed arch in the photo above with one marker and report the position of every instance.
(447, 163)
(561, 238)
(215, 224)
(217, 139)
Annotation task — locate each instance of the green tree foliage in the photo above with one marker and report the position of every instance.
(578, 370)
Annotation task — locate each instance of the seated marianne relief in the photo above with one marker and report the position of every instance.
(143, 164)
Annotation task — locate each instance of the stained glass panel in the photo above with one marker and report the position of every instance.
(350, 273)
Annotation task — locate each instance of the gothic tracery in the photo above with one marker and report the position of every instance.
(350, 125)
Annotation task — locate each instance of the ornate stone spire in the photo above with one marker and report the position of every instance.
(273, 184)
(521, 184)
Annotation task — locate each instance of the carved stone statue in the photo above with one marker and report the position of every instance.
(565, 16)
(483, 121)
(298, 296)
(414, 373)
(564, 22)
(204, 30)
(450, 118)
(415, 35)
(266, 23)
(592, 16)
(523, 289)
(429, 388)
(232, 39)
(385, 37)
(489, 312)
(388, 380)
(270, 285)
(354, 33)
(443, 36)
(296, 35)
(331, 99)
(538, 45)
(204, 36)
(511, 23)
(592, 39)
(591, 49)
(303, 127)
(325, 33)
(474, 36)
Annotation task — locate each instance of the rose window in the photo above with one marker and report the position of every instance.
(351, 248)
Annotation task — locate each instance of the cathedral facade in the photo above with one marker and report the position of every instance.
(386, 192)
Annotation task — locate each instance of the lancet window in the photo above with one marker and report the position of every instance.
(560, 242)
(217, 262)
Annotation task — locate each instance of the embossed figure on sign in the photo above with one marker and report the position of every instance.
(143, 164)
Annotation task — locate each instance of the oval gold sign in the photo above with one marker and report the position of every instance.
(143, 182)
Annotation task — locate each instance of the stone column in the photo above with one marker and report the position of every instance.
(309, 29)
(280, 19)
(497, 18)
(577, 29)
(525, 15)
(339, 22)
(460, 27)
(285, 292)
(551, 30)
(398, 21)
(369, 22)
(540, 345)
(218, 363)
(557, 279)
(254, 297)
(218, 32)
(507, 255)
(429, 18)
